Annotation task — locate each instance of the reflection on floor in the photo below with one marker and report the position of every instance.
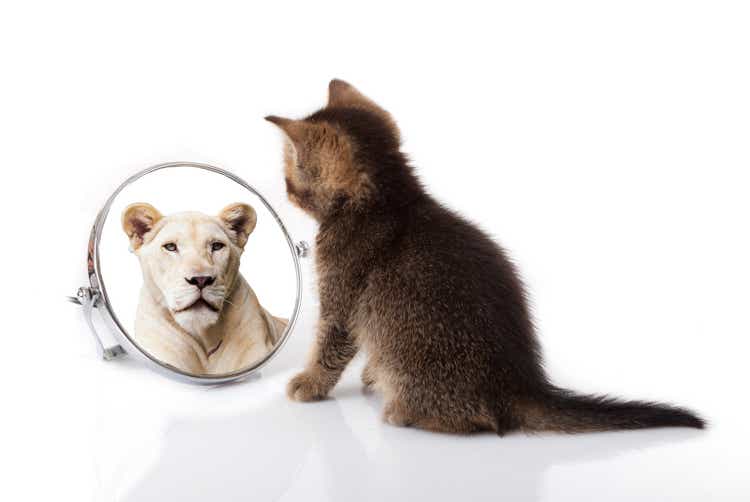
(248, 442)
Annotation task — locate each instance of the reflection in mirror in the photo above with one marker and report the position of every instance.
(209, 290)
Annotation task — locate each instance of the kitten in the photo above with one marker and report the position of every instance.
(434, 303)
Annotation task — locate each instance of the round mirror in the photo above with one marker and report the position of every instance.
(194, 272)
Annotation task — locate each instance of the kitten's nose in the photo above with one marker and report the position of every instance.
(200, 280)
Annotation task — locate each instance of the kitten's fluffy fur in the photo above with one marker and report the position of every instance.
(434, 303)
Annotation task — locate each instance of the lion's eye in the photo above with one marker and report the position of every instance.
(216, 246)
(170, 246)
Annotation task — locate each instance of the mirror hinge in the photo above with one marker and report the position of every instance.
(302, 248)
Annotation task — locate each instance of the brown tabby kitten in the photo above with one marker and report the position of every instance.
(435, 304)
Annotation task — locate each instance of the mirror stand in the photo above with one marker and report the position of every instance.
(88, 299)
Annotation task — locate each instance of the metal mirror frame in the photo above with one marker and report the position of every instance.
(94, 296)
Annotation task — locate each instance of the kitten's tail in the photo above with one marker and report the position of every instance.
(564, 411)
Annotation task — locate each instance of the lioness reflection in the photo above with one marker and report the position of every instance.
(196, 311)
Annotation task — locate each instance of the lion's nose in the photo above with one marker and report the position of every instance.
(201, 281)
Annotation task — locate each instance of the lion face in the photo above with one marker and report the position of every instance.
(190, 260)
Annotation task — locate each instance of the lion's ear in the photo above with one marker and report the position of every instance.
(239, 220)
(137, 220)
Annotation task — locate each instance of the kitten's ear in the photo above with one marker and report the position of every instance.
(344, 95)
(137, 220)
(295, 130)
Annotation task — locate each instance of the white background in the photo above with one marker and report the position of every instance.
(605, 145)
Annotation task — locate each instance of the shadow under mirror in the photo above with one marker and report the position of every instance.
(200, 275)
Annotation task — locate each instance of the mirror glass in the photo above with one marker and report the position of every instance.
(198, 272)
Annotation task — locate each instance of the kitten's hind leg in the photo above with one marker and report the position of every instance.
(368, 376)
(431, 412)
(397, 413)
(332, 351)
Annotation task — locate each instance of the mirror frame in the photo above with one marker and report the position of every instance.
(95, 295)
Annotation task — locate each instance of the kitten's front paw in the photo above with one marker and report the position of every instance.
(306, 386)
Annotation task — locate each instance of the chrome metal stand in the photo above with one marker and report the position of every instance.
(88, 298)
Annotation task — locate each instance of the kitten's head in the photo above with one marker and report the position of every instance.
(340, 157)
